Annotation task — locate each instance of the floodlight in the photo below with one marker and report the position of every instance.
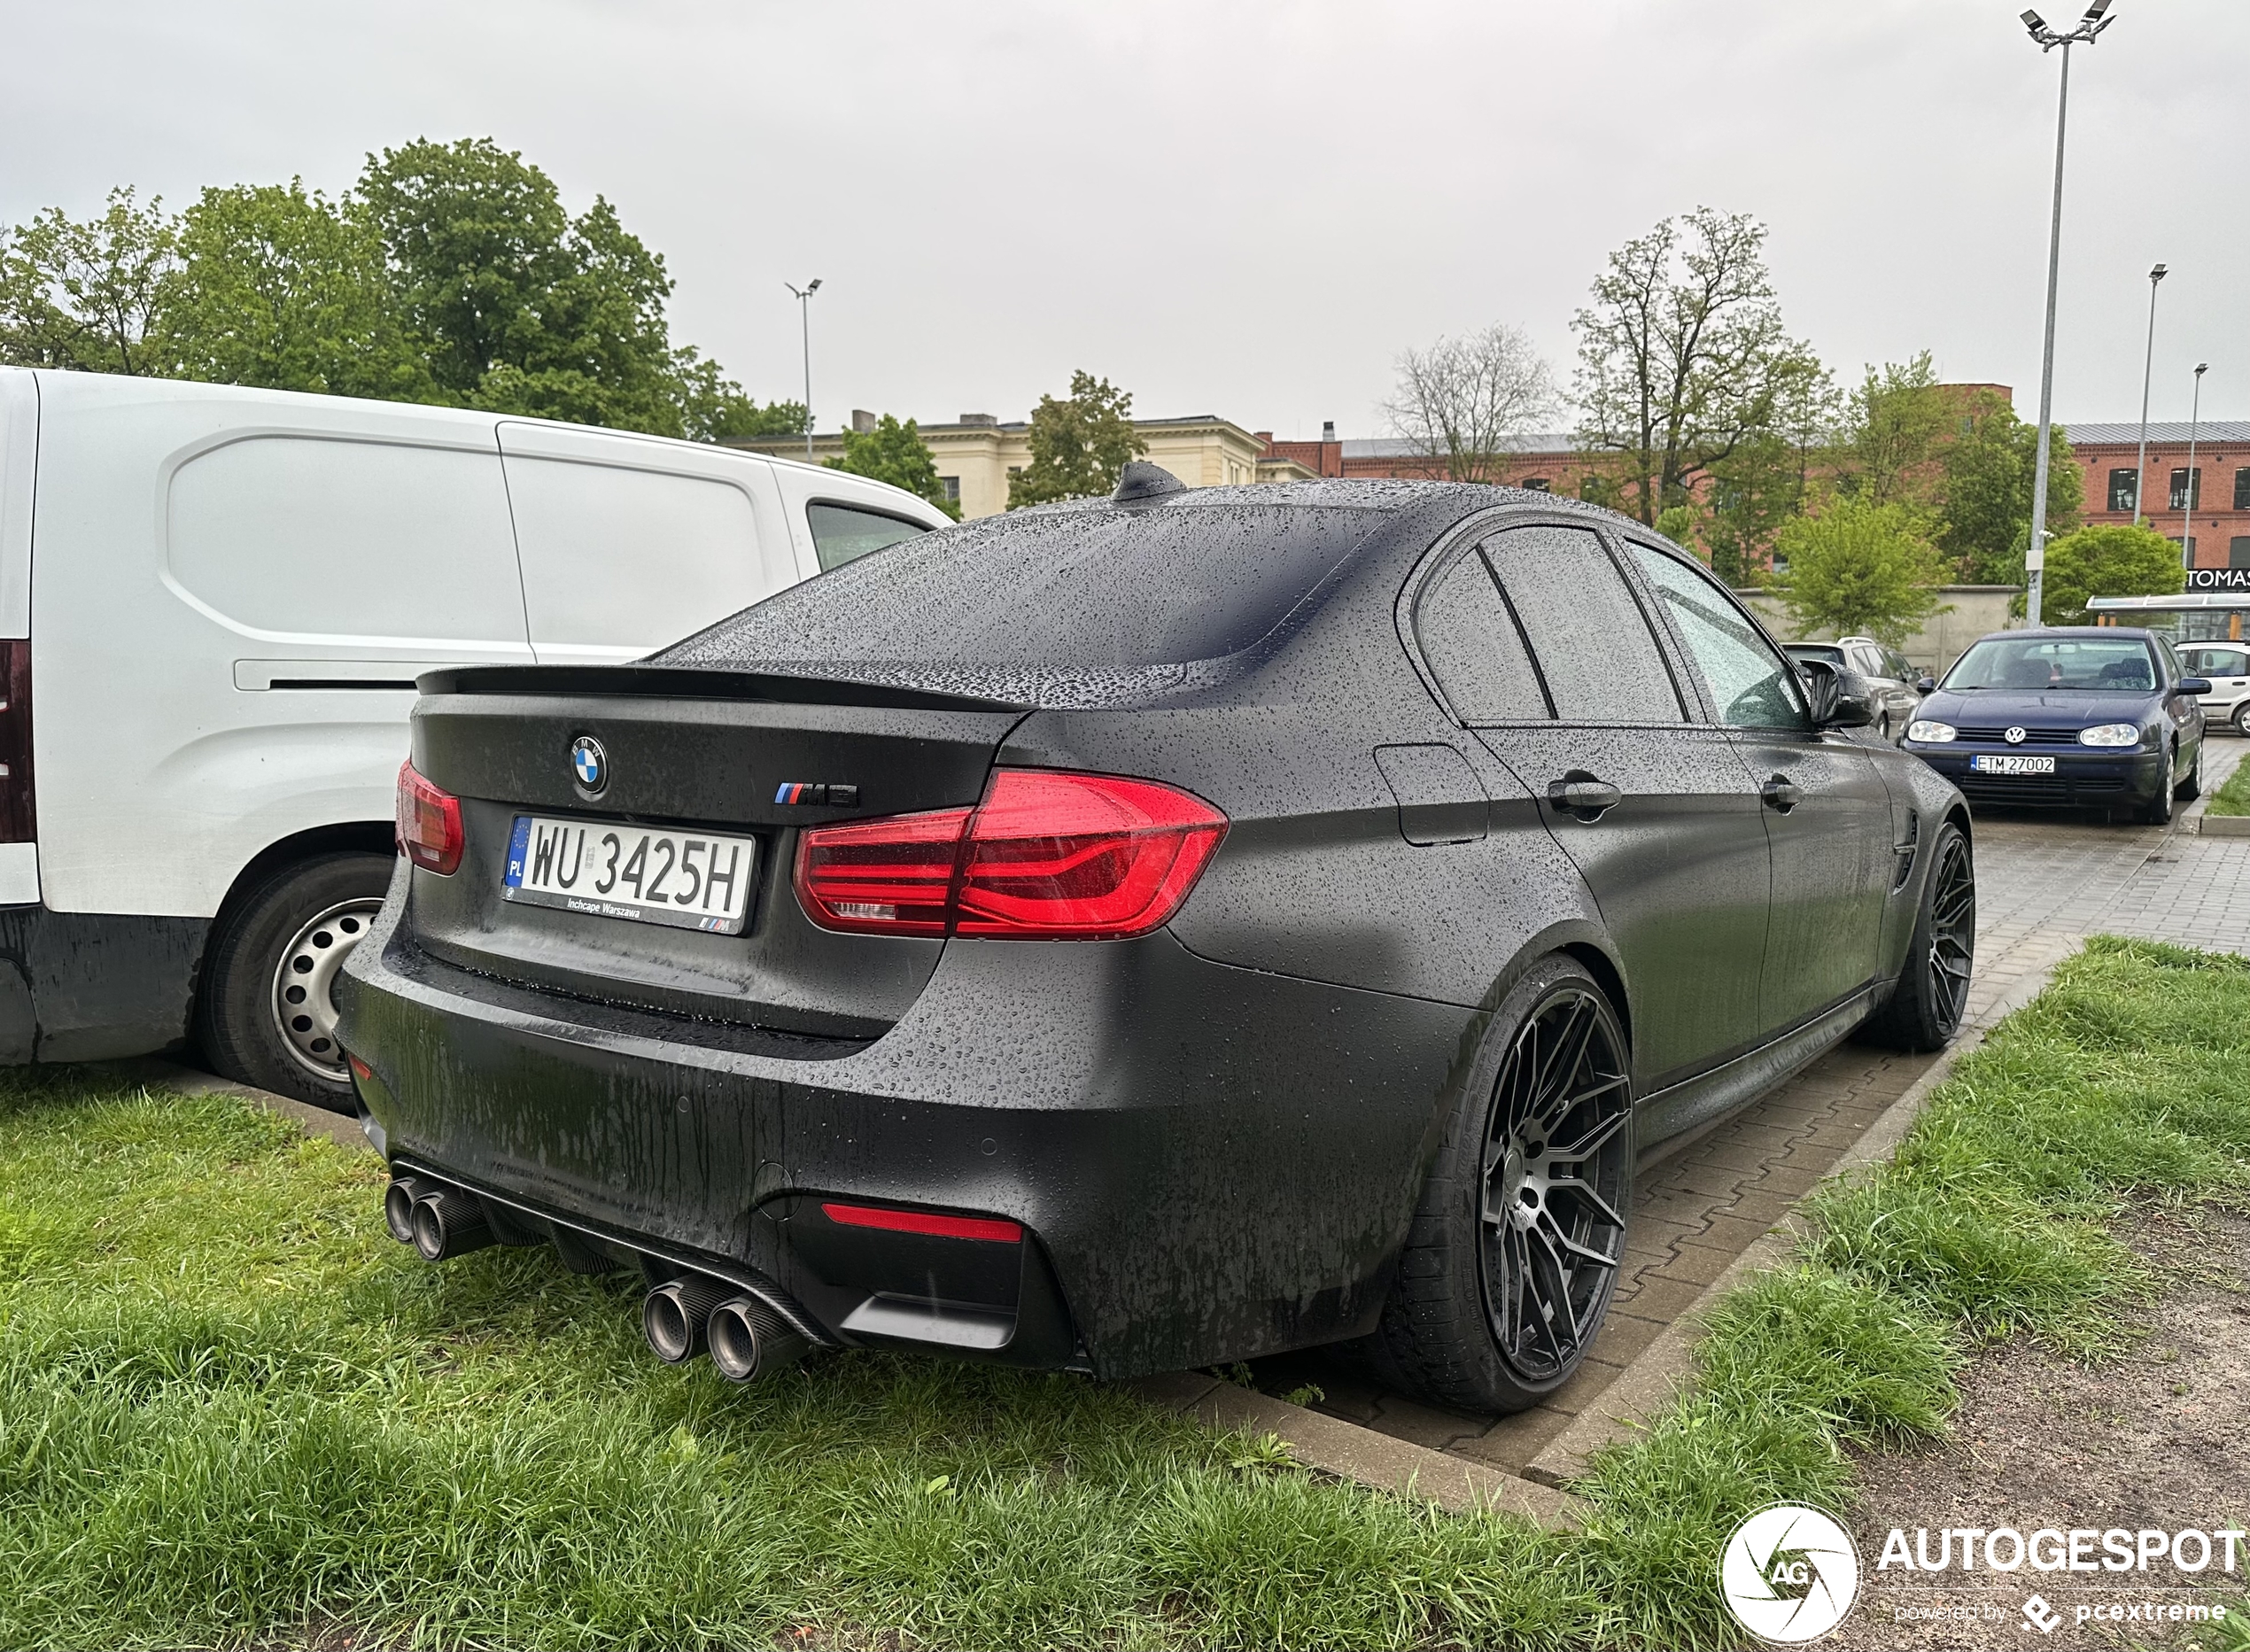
(2033, 21)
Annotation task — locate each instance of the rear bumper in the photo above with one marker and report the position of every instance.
(1209, 1162)
(2083, 779)
(94, 986)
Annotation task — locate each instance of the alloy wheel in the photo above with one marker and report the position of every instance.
(1952, 931)
(305, 986)
(1557, 1159)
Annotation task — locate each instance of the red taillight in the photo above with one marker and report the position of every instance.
(890, 877)
(988, 1227)
(429, 823)
(18, 822)
(1047, 854)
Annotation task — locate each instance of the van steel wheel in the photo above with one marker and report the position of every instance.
(1515, 1249)
(266, 1014)
(304, 981)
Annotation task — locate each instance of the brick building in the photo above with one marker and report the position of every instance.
(2109, 455)
(1547, 462)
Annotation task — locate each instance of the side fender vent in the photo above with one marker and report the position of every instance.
(1904, 851)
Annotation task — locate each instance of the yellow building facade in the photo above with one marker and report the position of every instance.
(977, 453)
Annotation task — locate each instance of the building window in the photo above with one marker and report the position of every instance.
(2238, 551)
(2123, 485)
(2184, 495)
(2242, 488)
(1539, 483)
(952, 486)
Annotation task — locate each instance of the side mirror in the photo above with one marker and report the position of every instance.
(1840, 698)
(1927, 683)
(2194, 686)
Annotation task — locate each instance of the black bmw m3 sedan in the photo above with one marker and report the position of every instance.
(1138, 933)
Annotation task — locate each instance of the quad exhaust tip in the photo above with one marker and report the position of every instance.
(438, 1221)
(747, 1339)
(674, 1315)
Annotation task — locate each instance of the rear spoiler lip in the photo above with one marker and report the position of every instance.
(694, 682)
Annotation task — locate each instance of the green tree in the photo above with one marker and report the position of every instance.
(1682, 356)
(1990, 471)
(85, 295)
(1899, 423)
(1860, 568)
(895, 453)
(1079, 443)
(2113, 559)
(524, 308)
(713, 408)
(281, 288)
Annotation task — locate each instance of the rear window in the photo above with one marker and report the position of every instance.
(1827, 652)
(1075, 591)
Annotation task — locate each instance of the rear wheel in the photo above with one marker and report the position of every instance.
(1925, 1007)
(1515, 1250)
(2242, 719)
(267, 1011)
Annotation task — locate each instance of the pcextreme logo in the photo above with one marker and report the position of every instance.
(1789, 1574)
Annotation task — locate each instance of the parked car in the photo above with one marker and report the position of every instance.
(2071, 716)
(1132, 934)
(1893, 687)
(2227, 667)
(214, 602)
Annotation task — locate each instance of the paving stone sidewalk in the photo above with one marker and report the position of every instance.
(2044, 883)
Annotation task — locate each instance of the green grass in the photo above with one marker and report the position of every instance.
(2233, 798)
(232, 1412)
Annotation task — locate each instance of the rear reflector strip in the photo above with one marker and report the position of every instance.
(986, 1228)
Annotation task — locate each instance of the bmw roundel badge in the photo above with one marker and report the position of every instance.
(589, 765)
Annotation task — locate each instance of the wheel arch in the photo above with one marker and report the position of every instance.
(377, 837)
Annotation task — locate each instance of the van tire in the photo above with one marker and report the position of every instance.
(239, 1013)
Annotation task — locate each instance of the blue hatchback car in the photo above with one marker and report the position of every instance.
(2070, 717)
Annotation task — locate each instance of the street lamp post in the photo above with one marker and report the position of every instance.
(2140, 469)
(804, 315)
(2187, 494)
(2035, 559)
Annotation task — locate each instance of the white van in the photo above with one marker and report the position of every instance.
(213, 603)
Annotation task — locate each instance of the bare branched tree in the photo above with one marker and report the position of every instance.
(1682, 356)
(1461, 400)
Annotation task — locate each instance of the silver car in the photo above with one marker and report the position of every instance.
(1893, 685)
(2227, 665)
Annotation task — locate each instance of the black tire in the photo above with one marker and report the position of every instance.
(1493, 1312)
(2242, 719)
(2191, 788)
(277, 951)
(1925, 1006)
(2158, 810)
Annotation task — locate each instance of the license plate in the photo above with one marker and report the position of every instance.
(687, 880)
(2008, 762)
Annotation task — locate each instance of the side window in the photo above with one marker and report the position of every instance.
(840, 534)
(1471, 643)
(1868, 661)
(1749, 682)
(1588, 634)
(2171, 658)
(1900, 666)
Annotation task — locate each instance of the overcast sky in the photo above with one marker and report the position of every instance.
(1240, 209)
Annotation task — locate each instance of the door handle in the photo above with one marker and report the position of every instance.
(1583, 795)
(1781, 793)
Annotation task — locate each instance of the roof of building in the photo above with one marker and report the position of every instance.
(2171, 432)
(1402, 447)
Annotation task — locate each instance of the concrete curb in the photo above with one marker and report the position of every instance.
(186, 1080)
(2222, 825)
(1652, 1381)
(1353, 1453)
